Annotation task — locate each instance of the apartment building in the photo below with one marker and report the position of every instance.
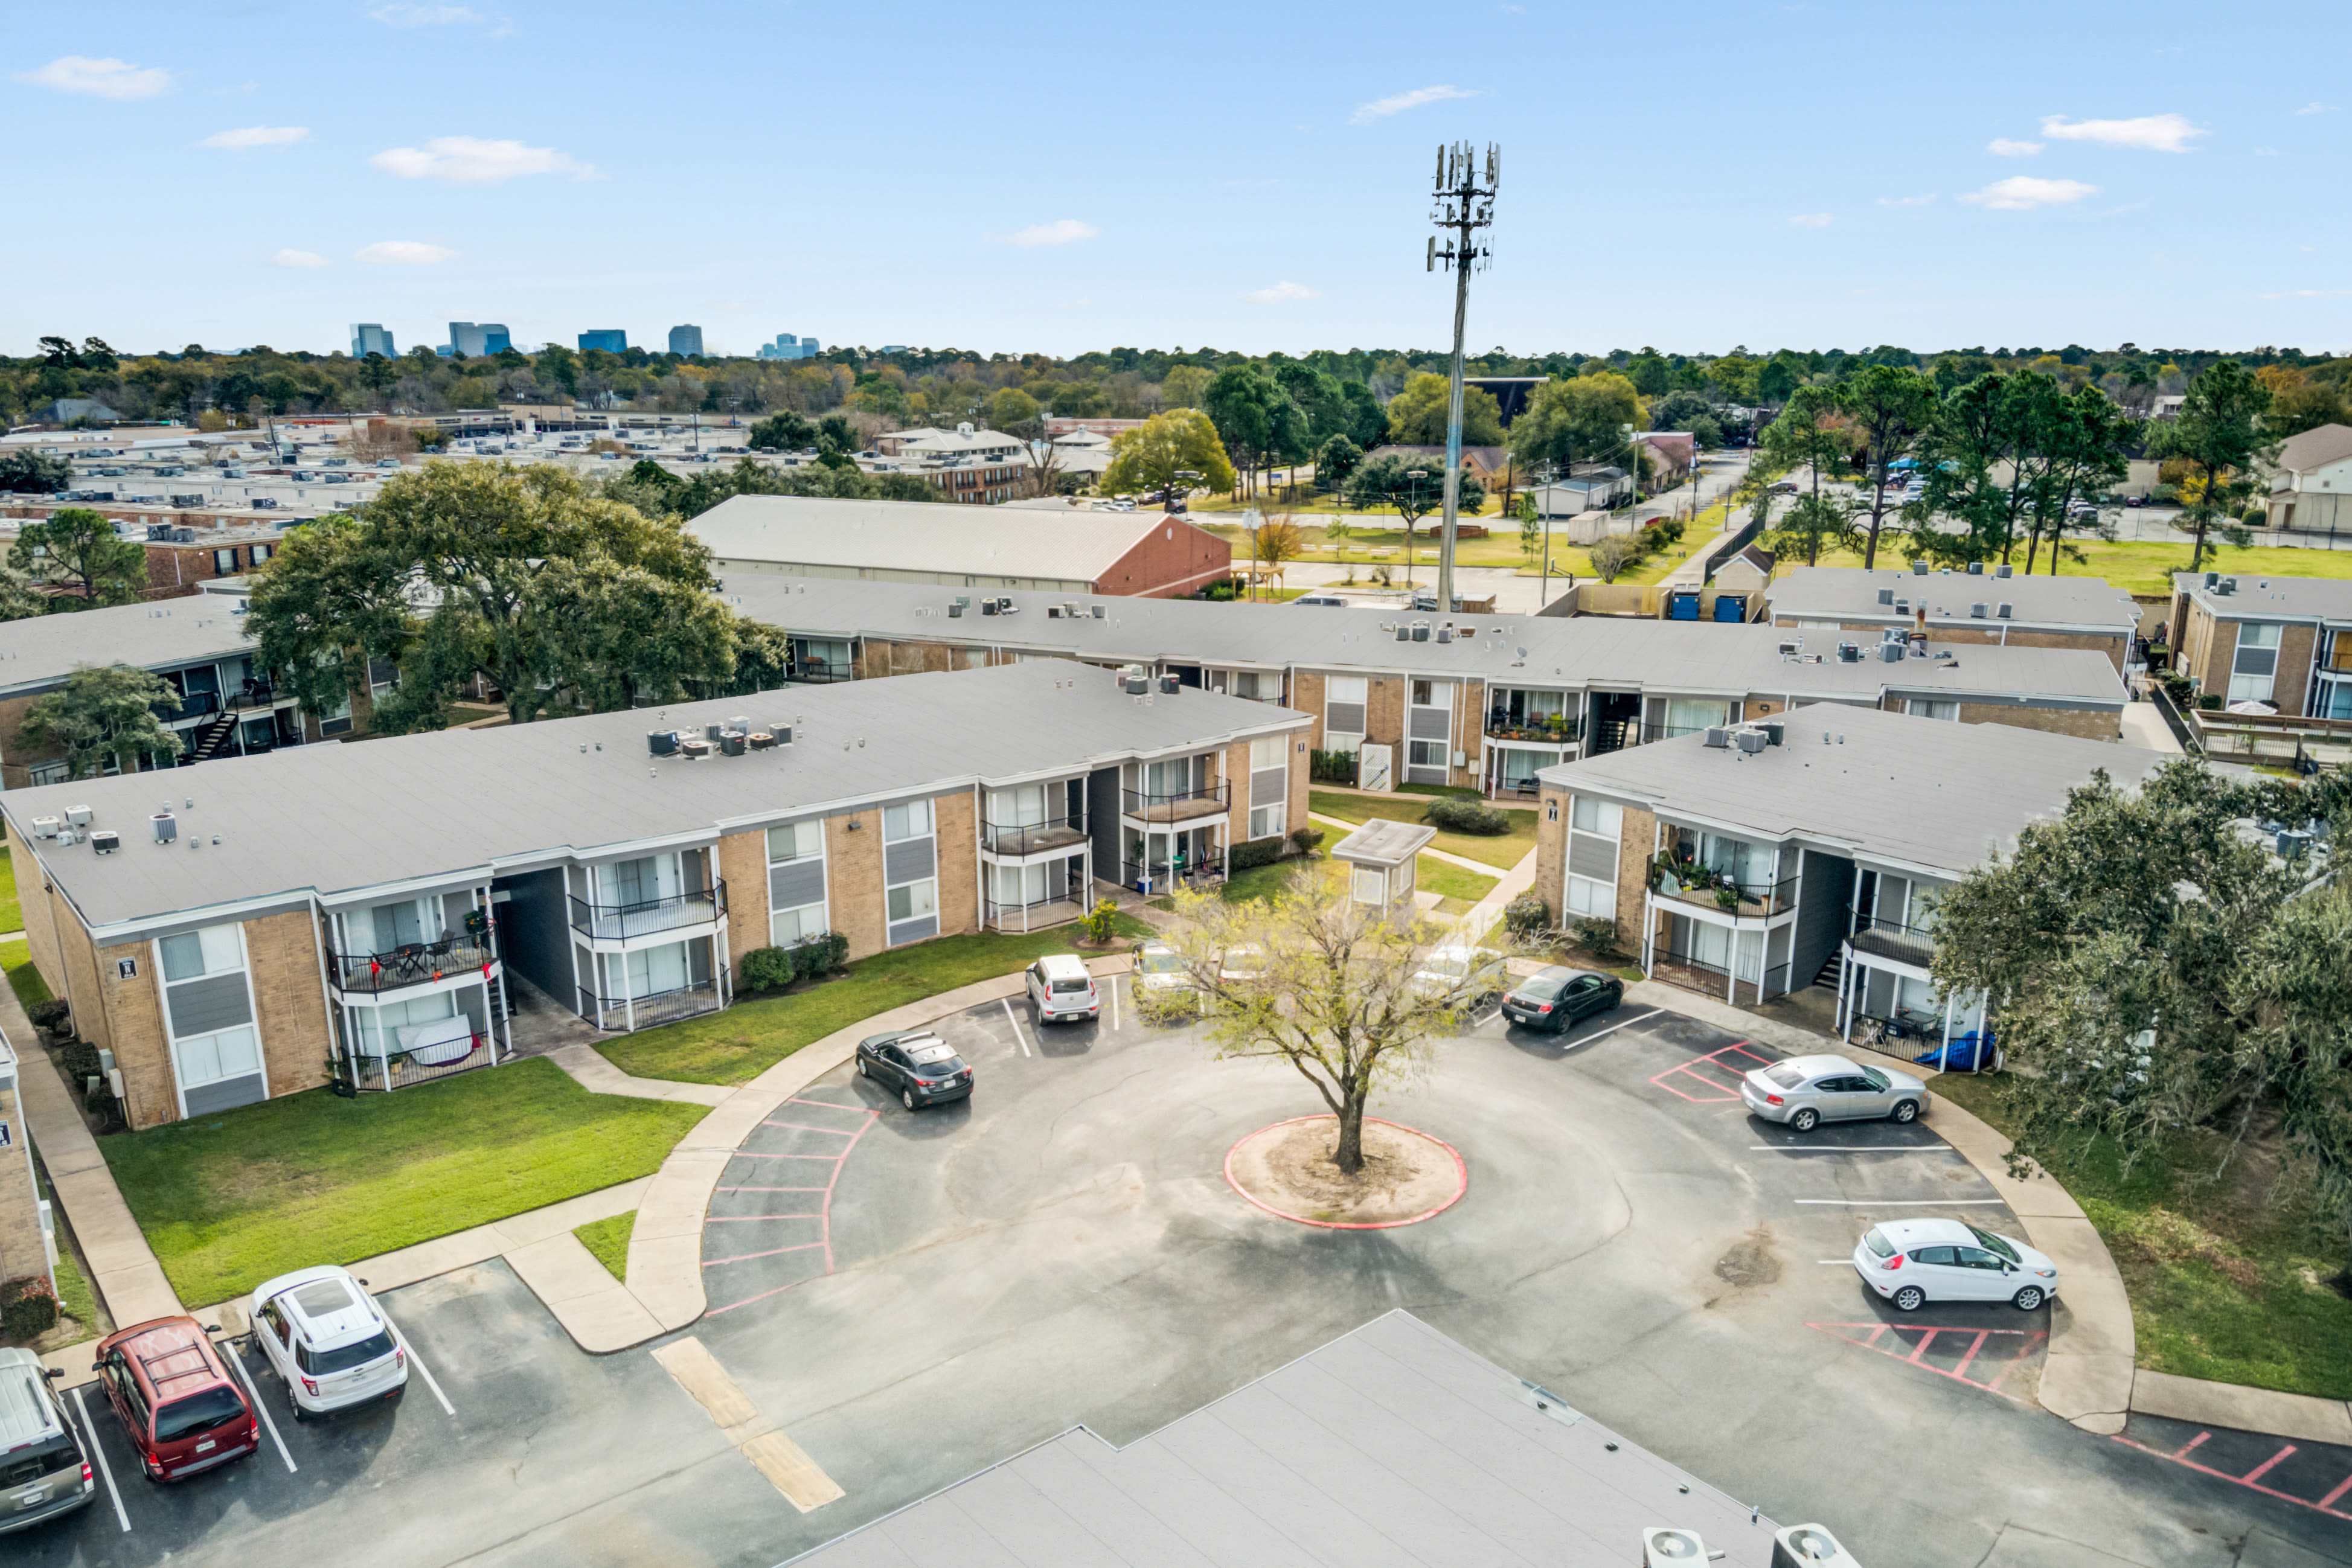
(371, 914)
(1127, 554)
(2284, 641)
(1481, 702)
(1988, 605)
(1748, 861)
(227, 706)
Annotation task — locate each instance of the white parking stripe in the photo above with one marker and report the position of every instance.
(261, 1409)
(1015, 1022)
(1901, 1202)
(418, 1362)
(98, 1451)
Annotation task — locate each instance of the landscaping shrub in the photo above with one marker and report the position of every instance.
(1305, 839)
(27, 1307)
(1456, 815)
(1525, 915)
(766, 969)
(1253, 855)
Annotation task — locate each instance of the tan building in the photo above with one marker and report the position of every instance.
(368, 913)
(1989, 606)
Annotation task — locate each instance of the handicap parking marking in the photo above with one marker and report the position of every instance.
(237, 1359)
(98, 1450)
(1706, 1073)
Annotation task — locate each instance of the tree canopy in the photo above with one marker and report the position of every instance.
(76, 550)
(104, 713)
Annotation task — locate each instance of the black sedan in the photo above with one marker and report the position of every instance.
(924, 1069)
(1556, 998)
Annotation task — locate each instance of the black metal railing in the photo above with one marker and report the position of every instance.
(1159, 876)
(1877, 936)
(412, 964)
(650, 915)
(617, 1014)
(1064, 831)
(1176, 805)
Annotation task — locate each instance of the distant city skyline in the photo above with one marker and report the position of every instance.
(1818, 175)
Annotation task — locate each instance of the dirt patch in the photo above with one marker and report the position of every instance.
(1287, 1170)
(1750, 1262)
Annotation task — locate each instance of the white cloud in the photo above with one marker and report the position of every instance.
(107, 77)
(1906, 201)
(2003, 147)
(2020, 192)
(2150, 132)
(2321, 109)
(406, 16)
(470, 161)
(258, 136)
(1282, 291)
(402, 253)
(298, 258)
(1814, 220)
(1381, 108)
(1061, 231)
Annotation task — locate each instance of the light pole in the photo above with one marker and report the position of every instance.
(1463, 204)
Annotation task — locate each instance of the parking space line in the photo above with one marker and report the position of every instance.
(1899, 1202)
(418, 1362)
(1022, 1038)
(261, 1409)
(104, 1469)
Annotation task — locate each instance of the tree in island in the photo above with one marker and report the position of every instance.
(1326, 987)
(105, 712)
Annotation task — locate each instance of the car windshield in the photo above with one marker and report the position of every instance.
(1995, 1244)
(320, 1362)
(1160, 964)
(215, 1407)
(1542, 986)
(1786, 1077)
(1876, 1241)
(924, 1055)
(1878, 1081)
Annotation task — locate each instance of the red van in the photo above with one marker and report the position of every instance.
(175, 1397)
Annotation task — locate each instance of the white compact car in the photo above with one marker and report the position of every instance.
(1911, 1263)
(324, 1336)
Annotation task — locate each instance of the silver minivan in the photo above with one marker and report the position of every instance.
(42, 1471)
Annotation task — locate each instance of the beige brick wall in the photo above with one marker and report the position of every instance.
(2089, 724)
(852, 875)
(282, 956)
(134, 1012)
(957, 820)
(743, 866)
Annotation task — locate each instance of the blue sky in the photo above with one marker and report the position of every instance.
(1010, 178)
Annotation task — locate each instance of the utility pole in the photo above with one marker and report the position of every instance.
(1463, 205)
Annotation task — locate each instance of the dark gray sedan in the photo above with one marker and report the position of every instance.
(1806, 1090)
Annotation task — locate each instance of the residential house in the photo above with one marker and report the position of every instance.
(1989, 605)
(1480, 702)
(1749, 862)
(378, 914)
(1138, 554)
(227, 706)
(2282, 641)
(2312, 481)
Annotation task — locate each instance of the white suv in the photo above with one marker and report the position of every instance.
(1060, 988)
(327, 1339)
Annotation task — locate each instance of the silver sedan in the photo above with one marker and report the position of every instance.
(1806, 1090)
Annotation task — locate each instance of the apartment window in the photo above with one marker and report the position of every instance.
(2255, 663)
(1924, 707)
(209, 1014)
(910, 872)
(797, 905)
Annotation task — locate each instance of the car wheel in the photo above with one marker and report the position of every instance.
(1905, 1111)
(1909, 1298)
(907, 1098)
(1804, 1121)
(2028, 1298)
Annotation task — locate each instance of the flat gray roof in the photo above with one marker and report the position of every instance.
(923, 536)
(1917, 791)
(1705, 657)
(441, 808)
(1389, 1445)
(44, 650)
(2271, 598)
(1850, 593)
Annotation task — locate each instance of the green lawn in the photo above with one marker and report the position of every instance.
(229, 1199)
(2147, 567)
(609, 1240)
(739, 1044)
(2227, 1283)
(1503, 852)
(17, 957)
(12, 915)
(1458, 887)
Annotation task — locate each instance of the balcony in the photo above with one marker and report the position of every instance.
(1178, 806)
(1881, 938)
(1014, 839)
(415, 963)
(1205, 870)
(619, 922)
(620, 1014)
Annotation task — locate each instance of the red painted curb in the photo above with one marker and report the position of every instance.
(1461, 1187)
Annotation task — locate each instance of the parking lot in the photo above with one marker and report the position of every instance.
(903, 1299)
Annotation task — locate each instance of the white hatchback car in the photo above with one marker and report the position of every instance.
(329, 1343)
(1911, 1263)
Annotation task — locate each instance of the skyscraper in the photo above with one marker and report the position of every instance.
(369, 338)
(611, 339)
(685, 339)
